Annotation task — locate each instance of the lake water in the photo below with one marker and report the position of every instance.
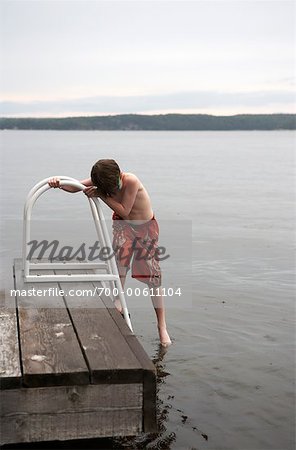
(227, 382)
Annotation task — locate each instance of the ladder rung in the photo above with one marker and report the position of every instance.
(71, 277)
(66, 266)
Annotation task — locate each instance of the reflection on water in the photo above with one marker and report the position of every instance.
(162, 439)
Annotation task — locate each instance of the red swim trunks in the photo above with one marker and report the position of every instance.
(140, 243)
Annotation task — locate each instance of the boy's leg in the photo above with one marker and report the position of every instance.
(158, 303)
(122, 275)
(122, 253)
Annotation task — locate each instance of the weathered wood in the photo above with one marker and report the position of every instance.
(149, 370)
(109, 357)
(125, 331)
(77, 341)
(10, 370)
(75, 412)
(50, 351)
(84, 425)
(70, 399)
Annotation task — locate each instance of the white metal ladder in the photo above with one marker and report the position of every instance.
(109, 266)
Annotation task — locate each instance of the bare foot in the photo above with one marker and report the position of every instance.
(164, 337)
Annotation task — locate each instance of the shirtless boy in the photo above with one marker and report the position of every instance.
(133, 222)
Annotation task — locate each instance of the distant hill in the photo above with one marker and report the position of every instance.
(181, 122)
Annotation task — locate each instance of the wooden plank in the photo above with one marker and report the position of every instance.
(72, 412)
(10, 369)
(149, 370)
(145, 361)
(50, 351)
(109, 357)
(66, 426)
(70, 399)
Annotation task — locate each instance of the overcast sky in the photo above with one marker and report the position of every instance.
(87, 57)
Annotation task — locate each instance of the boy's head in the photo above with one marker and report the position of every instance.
(105, 174)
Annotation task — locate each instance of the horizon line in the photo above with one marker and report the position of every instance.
(144, 115)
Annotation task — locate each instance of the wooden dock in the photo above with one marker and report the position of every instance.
(71, 368)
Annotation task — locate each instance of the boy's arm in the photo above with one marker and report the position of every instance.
(124, 208)
(55, 183)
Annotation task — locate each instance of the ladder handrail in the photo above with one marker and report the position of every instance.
(32, 196)
(100, 224)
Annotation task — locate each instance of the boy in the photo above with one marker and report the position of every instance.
(135, 229)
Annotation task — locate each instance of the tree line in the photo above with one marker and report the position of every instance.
(173, 122)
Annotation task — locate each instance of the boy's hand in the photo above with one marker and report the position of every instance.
(54, 182)
(91, 191)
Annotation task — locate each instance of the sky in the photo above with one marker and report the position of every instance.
(93, 57)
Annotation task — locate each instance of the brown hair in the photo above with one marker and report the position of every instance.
(105, 175)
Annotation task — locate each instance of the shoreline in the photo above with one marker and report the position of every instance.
(165, 122)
